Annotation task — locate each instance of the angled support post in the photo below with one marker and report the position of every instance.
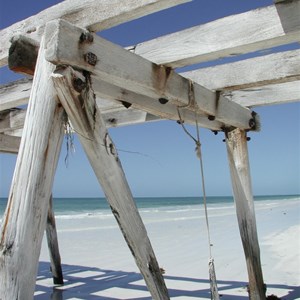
(24, 221)
(77, 97)
(52, 241)
(237, 150)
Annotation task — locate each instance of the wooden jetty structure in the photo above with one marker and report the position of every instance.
(95, 84)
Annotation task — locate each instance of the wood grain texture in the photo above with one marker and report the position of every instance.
(88, 14)
(84, 115)
(9, 144)
(119, 67)
(237, 151)
(250, 73)
(24, 221)
(230, 36)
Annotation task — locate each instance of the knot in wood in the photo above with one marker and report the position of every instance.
(91, 58)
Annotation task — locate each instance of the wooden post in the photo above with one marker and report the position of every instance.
(76, 95)
(25, 217)
(241, 183)
(53, 246)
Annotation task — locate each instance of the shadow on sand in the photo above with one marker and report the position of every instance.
(95, 284)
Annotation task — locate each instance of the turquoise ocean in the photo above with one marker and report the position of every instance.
(82, 207)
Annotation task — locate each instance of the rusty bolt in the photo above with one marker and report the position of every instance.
(86, 37)
(163, 100)
(78, 84)
(91, 58)
(252, 123)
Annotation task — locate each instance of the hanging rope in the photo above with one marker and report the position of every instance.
(211, 267)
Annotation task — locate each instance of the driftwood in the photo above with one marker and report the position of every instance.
(77, 97)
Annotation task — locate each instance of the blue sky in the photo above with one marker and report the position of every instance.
(158, 158)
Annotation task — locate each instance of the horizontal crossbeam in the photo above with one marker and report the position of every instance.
(69, 45)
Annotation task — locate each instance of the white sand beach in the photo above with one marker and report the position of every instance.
(98, 265)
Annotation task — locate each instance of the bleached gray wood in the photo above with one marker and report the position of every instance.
(9, 144)
(166, 111)
(254, 72)
(267, 95)
(88, 123)
(90, 14)
(12, 119)
(230, 36)
(24, 221)
(237, 151)
(113, 64)
(52, 241)
(15, 93)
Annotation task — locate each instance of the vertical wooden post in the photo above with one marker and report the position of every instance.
(76, 95)
(53, 246)
(237, 150)
(25, 217)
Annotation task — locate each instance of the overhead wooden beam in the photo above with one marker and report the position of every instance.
(250, 73)
(266, 95)
(12, 119)
(9, 144)
(88, 14)
(70, 45)
(230, 36)
(76, 95)
(15, 93)
(24, 221)
(237, 150)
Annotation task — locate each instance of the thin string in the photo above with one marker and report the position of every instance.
(199, 154)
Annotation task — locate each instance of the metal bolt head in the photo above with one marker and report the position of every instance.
(91, 58)
(86, 37)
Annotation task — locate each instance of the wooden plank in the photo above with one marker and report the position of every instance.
(254, 72)
(24, 221)
(77, 97)
(237, 151)
(230, 36)
(52, 241)
(12, 119)
(131, 72)
(89, 14)
(15, 93)
(266, 95)
(9, 144)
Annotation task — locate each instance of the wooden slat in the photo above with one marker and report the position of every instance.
(230, 36)
(9, 144)
(87, 121)
(131, 72)
(24, 221)
(89, 14)
(15, 94)
(264, 70)
(12, 120)
(267, 95)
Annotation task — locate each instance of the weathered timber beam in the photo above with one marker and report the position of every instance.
(266, 95)
(237, 150)
(88, 14)
(24, 221)
(84, 115)
(230, 36)
(15, 93)
(70, 45)
(156, 107)
(9, 144)
(249, 73)
(12, 119)
(23, 54)
(52, 241)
